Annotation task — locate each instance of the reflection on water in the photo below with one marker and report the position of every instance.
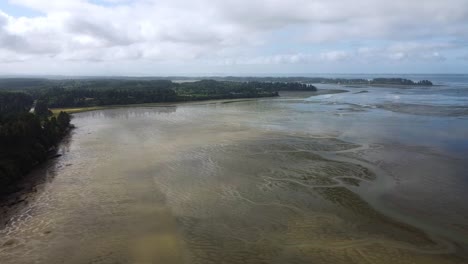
(283, 180)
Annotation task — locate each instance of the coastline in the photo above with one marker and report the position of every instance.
(364, 155)
(23, 186)
(23, 191)
(75, 110)
(401, 86)
(23, 170)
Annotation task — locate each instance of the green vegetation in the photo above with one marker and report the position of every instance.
(26, 139)
(210, 89)
(398, 81)
(111, 92)
(13, 103)
(105, 92)
(376, 81)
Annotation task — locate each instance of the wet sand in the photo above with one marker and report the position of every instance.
(256, 181)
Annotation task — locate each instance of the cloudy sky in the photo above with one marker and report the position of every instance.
(238, 37)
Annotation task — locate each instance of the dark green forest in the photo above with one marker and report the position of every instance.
(26, 138)
(100, 92)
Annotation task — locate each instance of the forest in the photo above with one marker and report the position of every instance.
(100, 92)
(27, 137)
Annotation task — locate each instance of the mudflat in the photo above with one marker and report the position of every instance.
(294, 179)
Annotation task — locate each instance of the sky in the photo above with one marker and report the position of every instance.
(232, 37)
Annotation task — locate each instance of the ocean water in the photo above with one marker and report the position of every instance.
(369, 175)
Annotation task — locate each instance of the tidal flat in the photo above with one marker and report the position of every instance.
(331, 178)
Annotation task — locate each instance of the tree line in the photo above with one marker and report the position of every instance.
(26, 137)
(344, 81)
(86, 93)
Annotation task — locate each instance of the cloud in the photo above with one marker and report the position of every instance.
(397, 52)
(22, 44)
(406, 51)
(234, 31)
(295, 58)
(97, 31)
(337, 55)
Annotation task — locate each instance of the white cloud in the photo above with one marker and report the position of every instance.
(401, 51)
(337, 55)
(295, 58)
(230, 31)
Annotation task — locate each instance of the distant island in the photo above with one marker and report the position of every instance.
(343, 81)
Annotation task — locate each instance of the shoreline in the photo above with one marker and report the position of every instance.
(24, 190)
(401, 86)
(27, 183)
(76, 110)
(436, 243)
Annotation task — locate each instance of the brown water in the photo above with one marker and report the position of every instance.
(239, 182)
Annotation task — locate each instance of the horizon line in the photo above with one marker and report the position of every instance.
(298, 75)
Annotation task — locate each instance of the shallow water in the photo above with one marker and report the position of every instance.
(334, 178)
